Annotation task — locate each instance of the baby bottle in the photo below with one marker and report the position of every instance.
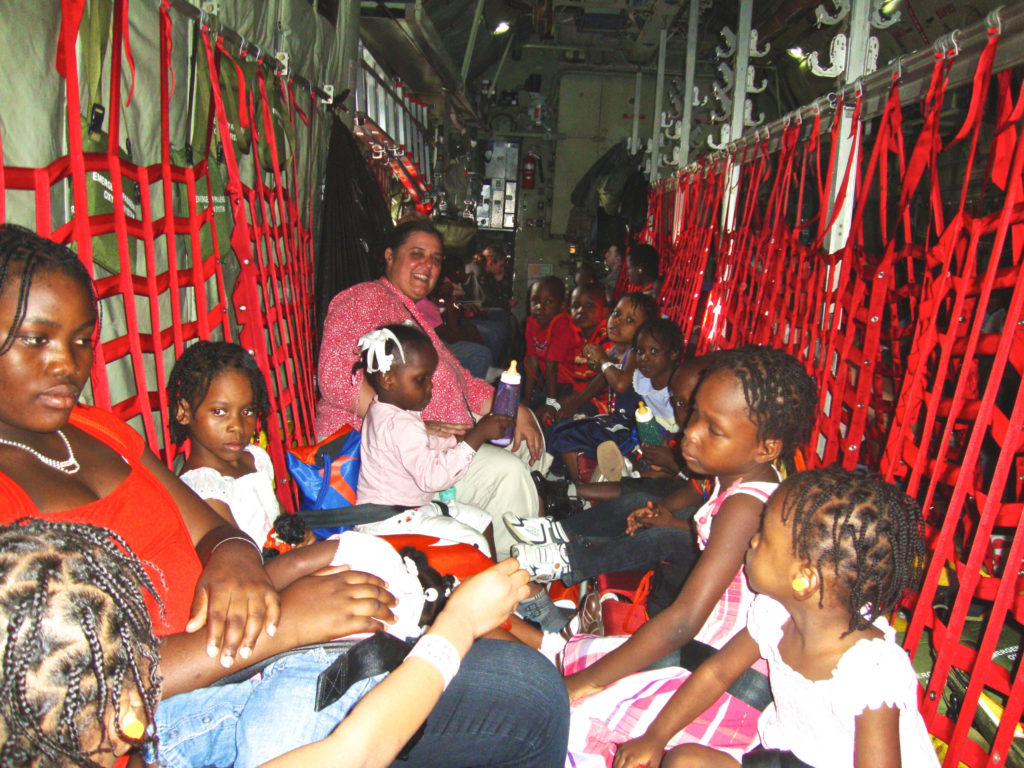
(647, 431)
(506, 400)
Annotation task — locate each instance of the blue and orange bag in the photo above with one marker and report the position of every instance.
(327, 472)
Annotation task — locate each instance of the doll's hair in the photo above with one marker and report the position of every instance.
(196, 369)
(781, 397)
(409, 337)
(289, 528)
(554, 284)
(23, 255)
(864, 533)
(75, 633)
(663, 331)
(430, 579)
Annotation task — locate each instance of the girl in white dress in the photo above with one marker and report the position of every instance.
(835, 552)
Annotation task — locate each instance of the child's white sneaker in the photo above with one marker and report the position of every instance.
(534, 530)
(544, 562)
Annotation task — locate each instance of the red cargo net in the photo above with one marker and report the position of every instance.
(914, 332)
(177, 290)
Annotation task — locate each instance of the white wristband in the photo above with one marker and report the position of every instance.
(606, 365)
(246, 539)
(552, 402)
(438, 651)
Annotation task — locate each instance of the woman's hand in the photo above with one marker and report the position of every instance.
(445, 428)
(527, 429)
(485, 600)
(235, 599)
(644, 752)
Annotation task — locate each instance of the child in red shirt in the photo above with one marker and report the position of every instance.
(550, 344)
(589, 311)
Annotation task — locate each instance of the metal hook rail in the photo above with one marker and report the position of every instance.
(913, 72)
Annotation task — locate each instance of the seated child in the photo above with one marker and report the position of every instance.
(549, 344)
(658, 345)
(402, 464)
(834, 554)
(643, 264)
(218, 399)
(589, 312)
(752, 406)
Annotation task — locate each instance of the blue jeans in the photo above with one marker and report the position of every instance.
(506, 707)
(475, 358)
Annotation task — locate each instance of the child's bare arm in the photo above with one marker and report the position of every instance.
(551, 378)
(621, 379)
(577, 400)
(530, 371)
(301, 561)
(702, 689)
(685, 497)
(731, 531)
(876, 739)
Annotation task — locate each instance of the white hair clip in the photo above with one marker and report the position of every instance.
(373, 344)
(430, 595)
(410, 566)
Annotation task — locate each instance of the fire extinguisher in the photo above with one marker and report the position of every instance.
(531, 165)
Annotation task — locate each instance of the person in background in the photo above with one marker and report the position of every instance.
(412, 265)
(613, 261)
(444, 314)
(643, 264)
(550, 345)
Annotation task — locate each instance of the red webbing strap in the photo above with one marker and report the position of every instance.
(844, 185)
(3, 182)
(830, 170)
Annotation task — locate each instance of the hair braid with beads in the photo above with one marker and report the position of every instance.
(781, 397)
(866, 533)
(75, 633)
(23, 254)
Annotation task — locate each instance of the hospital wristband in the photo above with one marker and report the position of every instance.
(608, 364)
(438, 652)
(552, 402)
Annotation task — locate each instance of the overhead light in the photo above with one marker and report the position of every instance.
(889, 6)
(796, 52)
(502, 28)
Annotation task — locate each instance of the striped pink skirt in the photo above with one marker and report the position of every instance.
(625, 710)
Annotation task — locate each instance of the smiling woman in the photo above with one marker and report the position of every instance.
(497, 481)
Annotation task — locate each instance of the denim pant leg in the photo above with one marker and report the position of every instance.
(506, 708)
(608, 518)
(198, 728)
(475, 358)
(279, 716)
(589, 557)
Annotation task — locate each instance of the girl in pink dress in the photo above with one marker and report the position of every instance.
(752, 406)
(835, 552)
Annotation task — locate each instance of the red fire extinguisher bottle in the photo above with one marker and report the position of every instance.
(529, 170)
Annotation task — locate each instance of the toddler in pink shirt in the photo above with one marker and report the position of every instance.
(402, 462)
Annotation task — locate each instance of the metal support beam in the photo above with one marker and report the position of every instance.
(501, 64)
(467, 57)
(856, 58)
(688, 78)
(659, 95)
(739, 101)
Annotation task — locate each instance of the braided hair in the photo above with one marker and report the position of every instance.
(866, 532)
(196, 369)
(23, 253)
(75, 634)
(781, 397)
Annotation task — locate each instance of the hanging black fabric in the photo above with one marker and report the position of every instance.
(355, 220)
